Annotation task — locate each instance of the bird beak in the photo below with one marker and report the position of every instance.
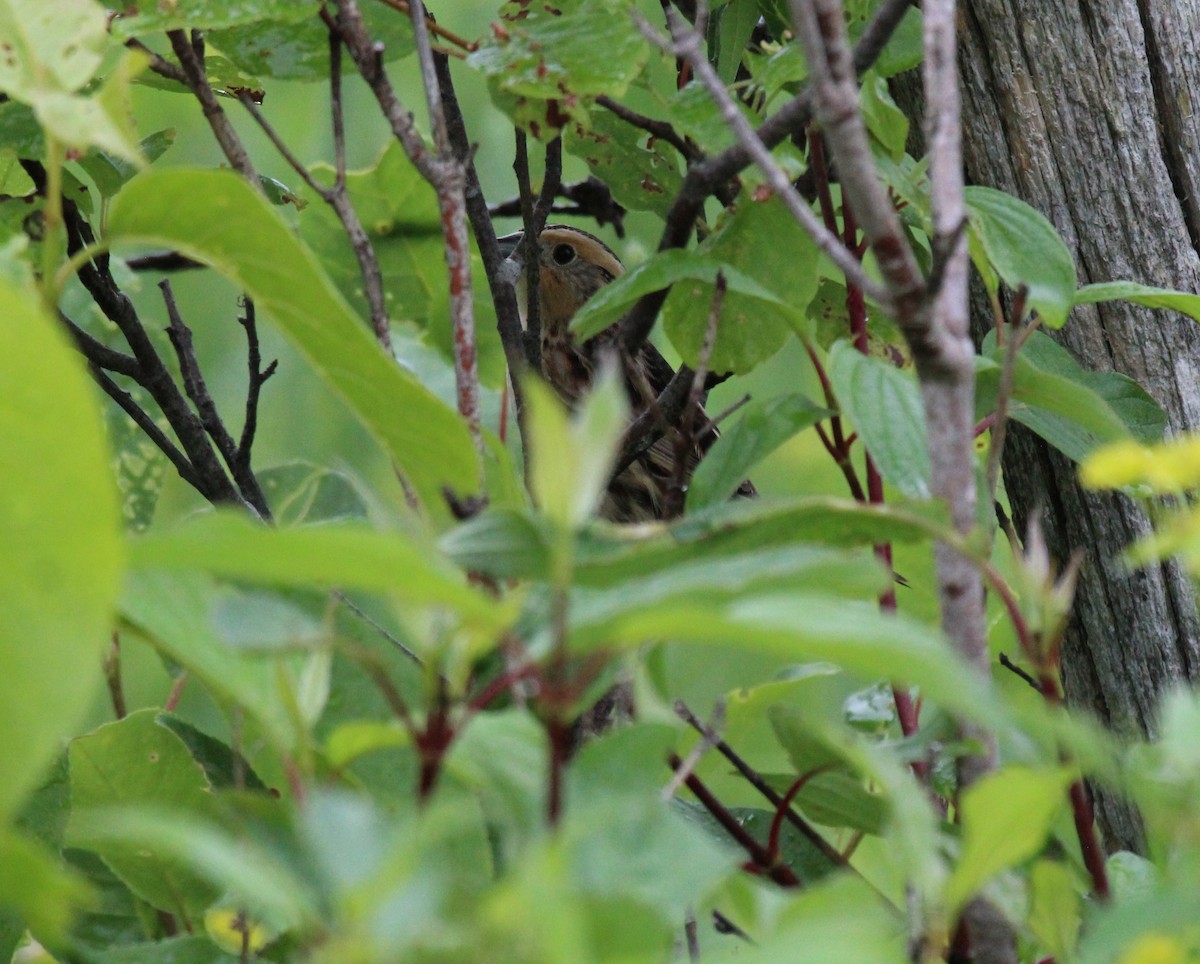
(510, 247)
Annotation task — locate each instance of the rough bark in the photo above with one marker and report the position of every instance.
(1083, 108)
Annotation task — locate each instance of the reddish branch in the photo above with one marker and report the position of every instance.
(442, 168)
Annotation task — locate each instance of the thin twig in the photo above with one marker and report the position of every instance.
(391, 638)
(191, 60)
(661, 130)
(687, 43)
(763, 860)
(590, 198)
(469, 46)
(258, 376)
(1008, 371)
(112, 677)
(448, 178)
(706, 178)
(755, 780)
(206, 409)
(685, 437)
(531, 252)
(508, 319)
(143, 421)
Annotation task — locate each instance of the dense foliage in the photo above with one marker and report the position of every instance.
(319, 705)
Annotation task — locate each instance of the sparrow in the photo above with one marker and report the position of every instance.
(573, 266)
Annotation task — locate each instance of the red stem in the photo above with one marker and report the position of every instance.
(784, 805)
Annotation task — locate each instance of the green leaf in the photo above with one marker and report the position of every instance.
(60, 525)
(729, 30)
(885, 406)
(294, 43)
(34, 883)
(506, 543)
(141, 17)
(764, 426)
(51, 51)
(606, 554)
(50, 46)
(344, 555)
(399, 212)
(1026, 250)
(193, 845)
(1073, 409)
(797, 568)
(641, 171)
(1054, 908)
(884, 119)
(173, 612)
(835, 799)
(571, 459)
(1145, 295)
(840, 919)
(300, 492)
(766, 243)
(808, 627)
(662, 270)
(544, 60)
(1006, 818)
(187, 210)
(138, 762)
(173, 950)
(111, 173)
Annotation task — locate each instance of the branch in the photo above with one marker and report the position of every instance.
(658, 129)
(822, 28)
(206, 408)
(258, 375)
(706, 178)
(508, 319)
(685, 441)
(201, 468)
(763, 859)
(591, 198)
(442, 168)
(450, 184)
(337, 196)
(143, 421)
(191, 62)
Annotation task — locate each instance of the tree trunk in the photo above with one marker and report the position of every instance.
(1083, 109)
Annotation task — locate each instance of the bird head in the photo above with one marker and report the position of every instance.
(573, 266)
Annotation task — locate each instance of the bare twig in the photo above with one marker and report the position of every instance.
(337, 196)
(112, 677)
(143, 421)
(655, 128)
(258, 375)
(685, 438)
(1008, 372)
(531, 252)
(159, 64)
(706, 178)
(445, 171)
(590, 198)
(191, 61)
(687, 43)
(755, 780)
(763, 860)
(206, 409)
(508, 320)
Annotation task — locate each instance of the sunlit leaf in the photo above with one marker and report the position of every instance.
(60, 524)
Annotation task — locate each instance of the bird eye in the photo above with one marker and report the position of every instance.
(563, 254)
